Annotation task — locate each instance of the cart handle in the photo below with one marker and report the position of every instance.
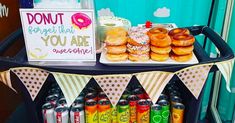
(226, 52)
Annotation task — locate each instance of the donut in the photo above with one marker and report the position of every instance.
(157, 30)
(160, 40)
(116, 49)
(182, 50)
(138, 39)
(138, 57)
(80, 20)
(117, 57)
(159, 57)
(135, 30)
(116, 31)
(177, 31)
(138, 49)
(183, 40)
(181, 58)
(161, 50)
(115, 40)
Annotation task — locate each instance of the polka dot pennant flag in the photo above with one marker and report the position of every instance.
(154, 82)
(226, 68)
(32, 78)
(113, 85)
(71, 85)
(194, 77)
(6, 79)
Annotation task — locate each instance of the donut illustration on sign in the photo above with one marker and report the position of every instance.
(80, 20)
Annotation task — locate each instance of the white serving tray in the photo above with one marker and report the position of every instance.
(103, 60)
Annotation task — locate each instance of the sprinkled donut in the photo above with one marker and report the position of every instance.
(81, 20)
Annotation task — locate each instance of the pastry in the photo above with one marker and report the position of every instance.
(157, 30)
(117, 57)
(116, 31)
(136, 30)
(183, 40)
(159, 57)
(177, 31)
(115, 40)
(181, 58)
(138, 39)
(116, 49)
(160, 40)
(182, 50)
(161, 50)
(138, 57)
(138, 49)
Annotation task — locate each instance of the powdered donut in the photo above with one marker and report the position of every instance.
(81, 20)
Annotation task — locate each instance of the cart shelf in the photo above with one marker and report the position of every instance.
(20, 60)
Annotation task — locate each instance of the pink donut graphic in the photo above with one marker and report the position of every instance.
(81, 20)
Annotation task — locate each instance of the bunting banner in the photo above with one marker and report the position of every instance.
(194, 77)
(226, 69)
(71, 84)
(32, 78)
(154, 82)
(6, 79)
(113, 85)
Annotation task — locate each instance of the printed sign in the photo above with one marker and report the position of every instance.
(59, 35)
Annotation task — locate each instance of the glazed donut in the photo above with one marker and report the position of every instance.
(116, 31)
(160, 40)
(117, 57)
(81, 20)
(115, 40)
(182, 50)
(116, 49)
(183, 40)
(181, 58)
(138, 57)
(177, 31)
(138, 39)
(159, 57)
(138, 49)
(161, 50)
(157, 30)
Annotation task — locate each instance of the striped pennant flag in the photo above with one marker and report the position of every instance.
(154, 82)
(113, 85)
(32, 78)
(6, 79)
(194, 77)
(226, 68)
(71, 85)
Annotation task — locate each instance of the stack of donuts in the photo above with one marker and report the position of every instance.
(141, 44)
(160, 44)
(138, 44)
(116, 40)
(182, 44)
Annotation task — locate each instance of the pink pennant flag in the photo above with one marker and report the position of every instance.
(32, 78)
(113, 85)
(6, 79)
(194, 77)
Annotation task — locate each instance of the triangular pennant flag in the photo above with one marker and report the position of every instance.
(71, 85)
(194, 77)
(6, 79)
(154, 82)
(226, 68)
(32, 78)
(113, 85)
